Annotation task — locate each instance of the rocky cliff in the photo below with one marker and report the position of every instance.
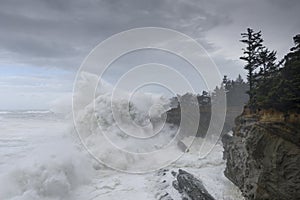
(204, 102)
(263, 156)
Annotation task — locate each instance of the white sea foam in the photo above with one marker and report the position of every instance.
(36, 111)
(4, 112)
(50, 171)
(120, 128)
(98, 129)
(40, 163)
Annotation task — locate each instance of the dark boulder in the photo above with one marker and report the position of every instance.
(190, 187)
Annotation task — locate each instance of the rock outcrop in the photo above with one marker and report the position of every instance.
(263, 157)
(188, 103)
(190, 187)
(173, 115)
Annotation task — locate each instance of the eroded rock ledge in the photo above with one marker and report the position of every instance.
(263, 157)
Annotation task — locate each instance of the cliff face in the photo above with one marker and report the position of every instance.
(174, 117)
(263, 157)
(188, 102)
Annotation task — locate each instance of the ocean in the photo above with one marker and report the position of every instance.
(42, 159)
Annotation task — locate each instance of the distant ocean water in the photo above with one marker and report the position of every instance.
(27, 114)
(16, 112)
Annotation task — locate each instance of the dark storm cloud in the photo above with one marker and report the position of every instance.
(62, 32)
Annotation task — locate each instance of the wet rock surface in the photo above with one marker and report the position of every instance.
(190, 187)
(263, 159)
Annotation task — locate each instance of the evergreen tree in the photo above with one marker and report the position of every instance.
(266, 59)
(235, 91)
(264, 79)
(279, 88)
(239, 79)
(290, 78)
(253, 43)
(226, 83)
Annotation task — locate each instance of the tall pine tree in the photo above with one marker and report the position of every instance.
(253, 43)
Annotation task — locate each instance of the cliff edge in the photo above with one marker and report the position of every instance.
(263, 155)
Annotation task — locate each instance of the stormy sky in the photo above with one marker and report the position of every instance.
(43, 42)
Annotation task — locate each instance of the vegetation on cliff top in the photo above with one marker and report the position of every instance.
(272, 83)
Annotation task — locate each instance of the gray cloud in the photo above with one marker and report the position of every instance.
(60, 33)
(63, 32)
(50, 38)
